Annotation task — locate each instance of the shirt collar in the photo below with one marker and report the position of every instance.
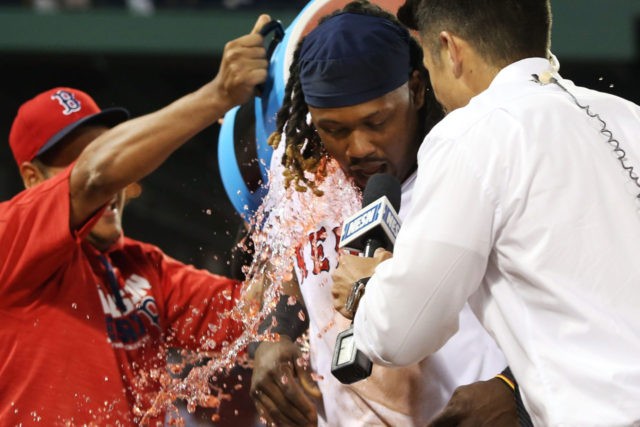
(524, 69)
(116, 246)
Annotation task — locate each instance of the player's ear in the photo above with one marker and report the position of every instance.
(31, 174)
(453, 50)
(416, 89)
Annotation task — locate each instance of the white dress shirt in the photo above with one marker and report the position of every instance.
(521, 208)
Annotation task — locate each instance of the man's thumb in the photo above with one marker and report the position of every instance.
(308, 384)
(261, 22)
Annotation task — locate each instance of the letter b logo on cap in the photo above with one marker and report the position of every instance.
(68, 101)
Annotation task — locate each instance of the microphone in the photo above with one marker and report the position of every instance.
(375, 226)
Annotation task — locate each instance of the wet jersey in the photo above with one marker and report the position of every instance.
(404, 396)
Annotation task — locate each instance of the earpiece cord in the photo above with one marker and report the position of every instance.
(621, 155)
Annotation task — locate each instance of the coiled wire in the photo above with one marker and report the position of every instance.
(621, 155)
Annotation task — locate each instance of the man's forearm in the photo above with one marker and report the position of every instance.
(132, 150)
(135, 148)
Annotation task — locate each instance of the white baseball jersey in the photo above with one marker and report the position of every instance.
(404, 396)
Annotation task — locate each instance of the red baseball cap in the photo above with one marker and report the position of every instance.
(46, 119)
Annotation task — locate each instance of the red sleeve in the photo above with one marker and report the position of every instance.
(35, 238)
(198, 305)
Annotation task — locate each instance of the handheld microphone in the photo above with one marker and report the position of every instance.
(375, 226)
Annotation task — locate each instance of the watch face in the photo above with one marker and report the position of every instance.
(346, 350)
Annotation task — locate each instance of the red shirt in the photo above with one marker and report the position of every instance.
(68, 355)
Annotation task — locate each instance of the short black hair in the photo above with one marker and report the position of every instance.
(501, 31)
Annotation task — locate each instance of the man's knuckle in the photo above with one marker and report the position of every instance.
(460, 399)
(233, 55)
(290, 393)
(457, 393)
(256, 391)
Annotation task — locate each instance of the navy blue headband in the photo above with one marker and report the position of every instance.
(353, 58)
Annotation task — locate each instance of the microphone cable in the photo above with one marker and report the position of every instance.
(620, 153)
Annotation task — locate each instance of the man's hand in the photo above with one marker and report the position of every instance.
(281, 389)
(481, 404)
(350, 269)
(244, 65)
